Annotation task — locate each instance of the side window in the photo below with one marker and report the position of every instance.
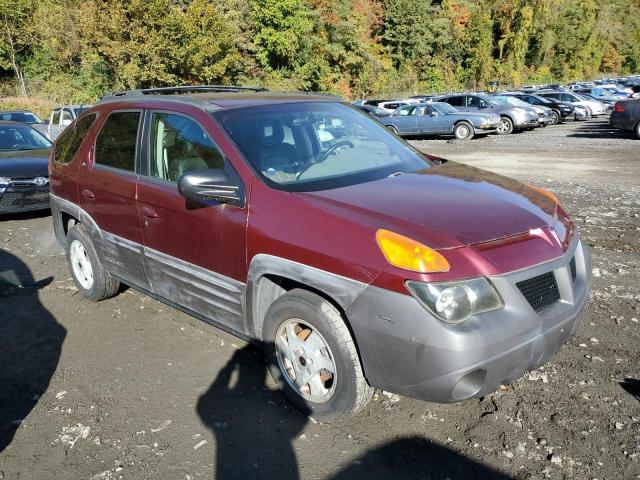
(116, 142)
(473, 102)
(455, 101)
(179, 145)
(55, 118)
(69, 142)
(66, 117)
(406, 111)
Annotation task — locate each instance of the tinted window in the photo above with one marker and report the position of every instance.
(69, 142)
(179, 145)
(116, 142)
(455, 101)
(473, 102)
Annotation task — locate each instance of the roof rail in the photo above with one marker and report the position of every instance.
(184, 89)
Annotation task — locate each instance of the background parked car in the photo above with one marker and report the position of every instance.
(374, 111)
(24, 178)
(61, 117)
(25, 116)
(440, 118)
(393, 105)
(593, 107)
(626, 116)
(561, 110)
(544, 113)
(511, 118)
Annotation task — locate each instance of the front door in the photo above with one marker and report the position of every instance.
(405, 120)
(431, 121)
(195, 254)
(107, 184)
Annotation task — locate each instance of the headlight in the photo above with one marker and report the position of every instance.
(454, 302)
(5, 181)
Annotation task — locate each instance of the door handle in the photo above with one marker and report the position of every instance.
(88, 194)
(149, 212)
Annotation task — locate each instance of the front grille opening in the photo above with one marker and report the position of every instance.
(541, 291)
(572, 267)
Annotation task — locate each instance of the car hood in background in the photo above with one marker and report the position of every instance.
(447, 206)
(24, 163)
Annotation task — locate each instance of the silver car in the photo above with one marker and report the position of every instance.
(63, 116)
(512, 118)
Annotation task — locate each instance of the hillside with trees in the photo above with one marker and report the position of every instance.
(74, 51)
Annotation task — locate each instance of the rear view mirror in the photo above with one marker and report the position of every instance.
(216, 185)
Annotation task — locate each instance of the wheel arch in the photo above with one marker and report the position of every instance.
(271, 277)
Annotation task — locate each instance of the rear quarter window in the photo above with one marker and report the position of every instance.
(117, 140)
(71, 139)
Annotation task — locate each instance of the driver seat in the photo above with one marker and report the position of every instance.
(277, 158)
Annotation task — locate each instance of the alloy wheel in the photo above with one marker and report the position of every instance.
(306, 361)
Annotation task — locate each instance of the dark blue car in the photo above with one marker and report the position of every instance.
(24, 180)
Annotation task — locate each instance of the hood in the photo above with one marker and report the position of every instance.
(447, 206)
(24, 164)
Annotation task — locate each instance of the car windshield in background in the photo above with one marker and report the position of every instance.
(22, 117)
(18, 137)
(445, 108)
(307, 146)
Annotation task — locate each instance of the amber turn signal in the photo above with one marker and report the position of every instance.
(546, 193)
(402, 252)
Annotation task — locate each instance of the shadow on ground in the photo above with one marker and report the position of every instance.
(254, 430)
(632, 386)
(30, 344)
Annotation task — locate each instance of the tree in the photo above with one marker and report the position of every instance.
(16, 37)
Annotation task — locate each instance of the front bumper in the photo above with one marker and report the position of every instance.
(23, 198)
(406, 350)
(528, 122)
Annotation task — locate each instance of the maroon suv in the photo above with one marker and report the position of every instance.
(299, 222)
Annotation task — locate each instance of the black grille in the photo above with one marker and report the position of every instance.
(17, 199)
(541, 291)
(572, 267)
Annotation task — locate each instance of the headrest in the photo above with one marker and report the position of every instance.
(271, 132)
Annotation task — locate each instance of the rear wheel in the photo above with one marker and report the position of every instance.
(463, 131)
(505, 127)
(555, 117)
(86, 269)
(313, 358)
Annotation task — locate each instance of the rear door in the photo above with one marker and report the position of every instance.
(405, 120)
(107, 186)
(195, 254)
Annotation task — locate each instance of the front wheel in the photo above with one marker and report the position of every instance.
(463, 131)
(313, 358)
(505, 127)
(555, 117)
(637, 130)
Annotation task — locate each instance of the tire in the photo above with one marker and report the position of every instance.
(505, 127)
(636, 130)
(555, 117)
(87, 271)
(589, 112)
(394, 129)
(463, 131)
(322, 337)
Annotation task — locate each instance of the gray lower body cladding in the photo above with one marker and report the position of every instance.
(406, 350)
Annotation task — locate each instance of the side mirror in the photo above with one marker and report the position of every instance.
(205, 186)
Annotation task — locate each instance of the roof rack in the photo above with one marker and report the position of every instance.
(184, 89)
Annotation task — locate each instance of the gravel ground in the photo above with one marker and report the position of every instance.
(130, 388)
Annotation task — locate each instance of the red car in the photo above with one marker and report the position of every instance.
(299, 222)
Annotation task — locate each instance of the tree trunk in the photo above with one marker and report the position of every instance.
(14, 59)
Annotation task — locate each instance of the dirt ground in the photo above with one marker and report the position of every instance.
(132, 389)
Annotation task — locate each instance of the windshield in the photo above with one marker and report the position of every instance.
(444, 108)
(22, 117)
(18, 137)
(307, 146)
